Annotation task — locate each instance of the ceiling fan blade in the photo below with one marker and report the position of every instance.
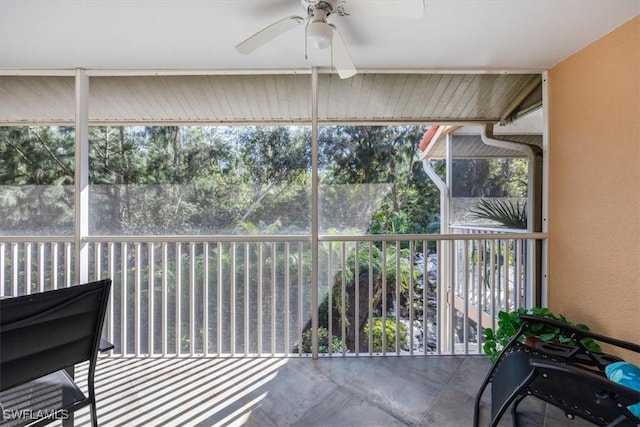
(398, 8)
(269, 33)
(341, 58)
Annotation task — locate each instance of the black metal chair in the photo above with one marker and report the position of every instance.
(42, 337)
(569, 377)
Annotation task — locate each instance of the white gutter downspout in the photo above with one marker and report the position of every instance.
(445, 322)
(487, 137)
(532, 152)
(442, 186)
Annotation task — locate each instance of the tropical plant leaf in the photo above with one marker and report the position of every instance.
(505, 212)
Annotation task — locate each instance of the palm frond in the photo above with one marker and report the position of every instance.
(505, 212)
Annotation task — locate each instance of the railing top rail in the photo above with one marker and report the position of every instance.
(268, 238)
(36, 239)
(275, 238)
(433, 237)
(486, 228)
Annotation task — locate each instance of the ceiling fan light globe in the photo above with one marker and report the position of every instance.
(319, 35)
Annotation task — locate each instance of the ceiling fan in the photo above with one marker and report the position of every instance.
(320, 34)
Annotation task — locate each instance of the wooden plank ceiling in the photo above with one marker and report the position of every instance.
(271, 98)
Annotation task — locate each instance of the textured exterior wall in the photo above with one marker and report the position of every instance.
(594, 184)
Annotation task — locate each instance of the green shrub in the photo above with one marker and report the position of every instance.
(390, 332)
(323, 342)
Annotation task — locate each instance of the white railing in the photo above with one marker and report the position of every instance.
(253, 296)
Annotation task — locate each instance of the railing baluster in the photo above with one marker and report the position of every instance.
(274, 303)
(27, 267)
(343, 298)
(451, 294)
(2, 268)
(219, 301)
(232, 300)
(14, 268)
(330, 300)
(425, 297)
(151, 282)
(287, 266)
(412, 255)
(383, 275)
(356, 298)
(465, 292)
(495, 290)
(397, 296)
(111, 308)
(178, 285)
(371, 296)
(41, 265)
(300, 295)
(192, 299)
(246, 299)
(481, 293)
(260, 297)
(517, 276)
(97, 261)
(508, 288)
(123, 297)
(54, 265)
(137, 297)
(68, 272)
(165, 298)
(205, 298)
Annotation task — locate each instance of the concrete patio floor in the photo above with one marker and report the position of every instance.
(366, 391)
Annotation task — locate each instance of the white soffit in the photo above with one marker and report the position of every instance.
(267, 98)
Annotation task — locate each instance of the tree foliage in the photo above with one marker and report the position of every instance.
(218, 179)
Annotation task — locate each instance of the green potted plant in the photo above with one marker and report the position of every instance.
(509, 323)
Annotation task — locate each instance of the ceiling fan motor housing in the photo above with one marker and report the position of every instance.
(313, 6)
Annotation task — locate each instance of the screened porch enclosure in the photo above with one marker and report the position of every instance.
(318, 274)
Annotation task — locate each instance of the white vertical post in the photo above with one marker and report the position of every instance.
(544, 262)
(81, 272)
(314, 213)
(445, 258)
